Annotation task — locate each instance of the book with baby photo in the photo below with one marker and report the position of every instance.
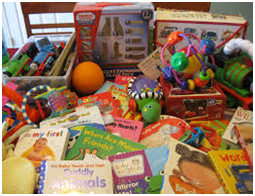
(188, 171)
(42, 144)
(139, 172)
(89, 176)
(75, 122)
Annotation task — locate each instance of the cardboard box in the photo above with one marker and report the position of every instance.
(217, 27)
(117, 36)
(206, 104)
(25, 83)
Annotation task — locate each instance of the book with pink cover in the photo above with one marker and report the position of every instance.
(128, 129)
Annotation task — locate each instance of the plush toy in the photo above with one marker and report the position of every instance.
(87, 77)
(146, 97)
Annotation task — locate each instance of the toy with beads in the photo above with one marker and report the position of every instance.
(188, 61)
(61, 101)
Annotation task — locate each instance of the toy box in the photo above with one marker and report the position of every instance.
(218, 27)
(115, 35)
(204, 104)
(67, 58)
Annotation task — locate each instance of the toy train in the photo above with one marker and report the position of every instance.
(235, 78)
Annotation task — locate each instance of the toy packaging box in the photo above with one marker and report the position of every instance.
(115, 35)
(233, 170)
(203, 104)
(204, 25)
(139, 172)
(90, 176)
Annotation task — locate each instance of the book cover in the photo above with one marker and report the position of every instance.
(139, 171)
(129, 129)
(160, 132)
(100, 143)
(42, 144)
(121, 100)
(104, 101)
(90, 176)
(188, 171)
(123, 80)
(75, 122)
(233, 170)
(244, 133)
(240, 115)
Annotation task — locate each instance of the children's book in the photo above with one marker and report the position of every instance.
(100, 143)
(129, 129)
(240, 115)
(90, 176)
(75, 121)
(160, 132)
(42, 144)
(244, 133)
(121, 100)
(122, 80)
(233, 170)
(139, 171)
(188, 171)
(104, 101)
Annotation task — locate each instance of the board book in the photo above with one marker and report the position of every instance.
(233, 170)
(42, 144)
(90, 176)
(75, 121)
(104, 101)
(240, 115)
(139, 171)
(100, 143)
(121, 100)
(129, 129)
(188, 171)
(244, 133)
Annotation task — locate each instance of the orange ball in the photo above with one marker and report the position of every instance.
(87, 77)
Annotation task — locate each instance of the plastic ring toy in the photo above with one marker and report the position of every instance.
(24, 102)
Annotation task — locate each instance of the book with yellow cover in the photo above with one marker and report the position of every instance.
(233, 170)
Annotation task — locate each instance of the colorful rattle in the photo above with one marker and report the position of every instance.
(146, 97)
(61, 101)
(188, 61)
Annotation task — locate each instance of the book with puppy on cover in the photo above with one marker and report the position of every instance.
(89, 176)
(188, 171)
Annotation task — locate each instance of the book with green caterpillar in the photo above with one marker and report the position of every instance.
(100, 143)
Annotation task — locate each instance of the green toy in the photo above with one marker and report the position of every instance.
(155, 184)
(146, 97)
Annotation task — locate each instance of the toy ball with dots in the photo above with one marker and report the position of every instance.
(87, 77)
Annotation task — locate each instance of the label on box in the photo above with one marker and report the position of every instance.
(152, 64)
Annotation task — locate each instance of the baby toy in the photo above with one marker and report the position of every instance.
(61, 100)
(87, 77)
(146, 94)
(234, 75)
(188, 61)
